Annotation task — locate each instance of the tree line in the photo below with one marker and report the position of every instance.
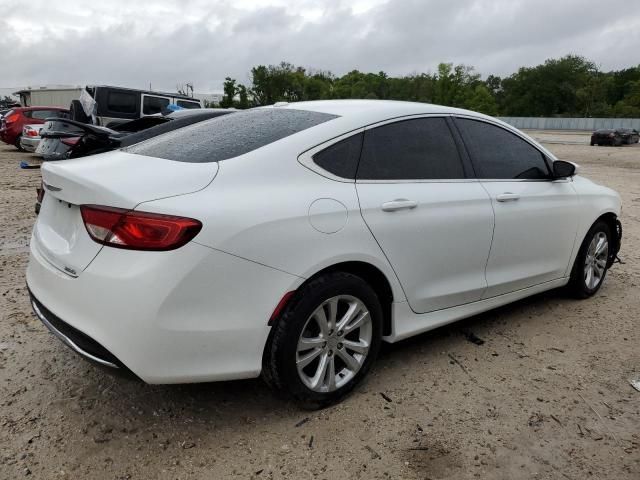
(571, 86)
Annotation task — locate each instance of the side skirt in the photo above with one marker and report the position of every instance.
(406, 323)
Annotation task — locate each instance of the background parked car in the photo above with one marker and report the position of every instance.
(607, 137)
(14, 121)
(30, 137)
(629, 135)
(65, 138)
(114, 105)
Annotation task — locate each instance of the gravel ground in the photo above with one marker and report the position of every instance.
(546, 395)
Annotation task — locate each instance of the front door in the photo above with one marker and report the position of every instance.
(536, 217)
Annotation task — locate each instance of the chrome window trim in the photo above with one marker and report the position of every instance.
(546, 155)
(306, 157)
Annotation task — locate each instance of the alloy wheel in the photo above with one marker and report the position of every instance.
(595, 263)
(334, 343)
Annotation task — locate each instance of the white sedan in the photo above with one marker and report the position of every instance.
(290, 241)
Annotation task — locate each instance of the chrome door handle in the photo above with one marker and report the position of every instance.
(508, 197)
(399, 204)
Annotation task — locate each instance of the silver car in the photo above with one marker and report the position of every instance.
(30, 138)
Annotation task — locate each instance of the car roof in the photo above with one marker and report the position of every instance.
(28, 109)
(375, 110)
(353, 114)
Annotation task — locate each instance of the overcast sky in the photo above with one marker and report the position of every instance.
(166, 42)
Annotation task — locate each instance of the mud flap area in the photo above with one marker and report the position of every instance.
(617, 243)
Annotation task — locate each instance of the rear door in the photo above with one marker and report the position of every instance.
(536, 217)
(433, 222)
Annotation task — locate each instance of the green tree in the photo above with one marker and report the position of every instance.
(230, 89)
(244, 97)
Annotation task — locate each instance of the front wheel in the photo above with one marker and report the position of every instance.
(326, 340)
(592, 262)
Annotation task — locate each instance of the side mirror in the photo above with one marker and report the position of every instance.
(562, 169)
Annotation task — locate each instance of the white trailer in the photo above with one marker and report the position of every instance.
(48, 96)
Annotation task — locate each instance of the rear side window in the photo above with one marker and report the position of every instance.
(188, 104)
(341, 158)
(500, 154)
(229, 136)
(419, 149)
(121, 102)
(153, 105)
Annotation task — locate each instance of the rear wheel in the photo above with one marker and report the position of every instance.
(17, 143)
(326, 340)
(592, 262)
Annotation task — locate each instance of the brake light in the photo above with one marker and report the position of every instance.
(132, 230)
(70, 141)
(12, 118)
(30, 132)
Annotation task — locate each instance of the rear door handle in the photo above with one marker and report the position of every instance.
(399, 204)
(508, 197)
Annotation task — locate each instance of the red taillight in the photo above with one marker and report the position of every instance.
(30, 132)
(12, 118)
(70, 141)
(121, 228)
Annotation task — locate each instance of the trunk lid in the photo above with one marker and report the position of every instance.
(114, 179)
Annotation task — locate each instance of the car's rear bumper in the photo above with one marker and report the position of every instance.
(29, 143)
(190, 315)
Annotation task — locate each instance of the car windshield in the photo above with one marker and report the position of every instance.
(229, 136)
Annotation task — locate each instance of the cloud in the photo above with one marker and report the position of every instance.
(166, 42)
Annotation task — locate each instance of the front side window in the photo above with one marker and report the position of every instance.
(121, 102)
(417, 149)
(229, 136)
(154, 105)
(500, 154)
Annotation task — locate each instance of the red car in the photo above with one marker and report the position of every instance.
(16, 118)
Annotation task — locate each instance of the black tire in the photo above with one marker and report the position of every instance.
(16, 143)
(577, 284)
(279, 368)
(77, 112)
(593, 144)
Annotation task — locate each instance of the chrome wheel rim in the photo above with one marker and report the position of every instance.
(334, 343)
(595, 263)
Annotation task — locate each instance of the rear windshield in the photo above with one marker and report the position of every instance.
(229, 136)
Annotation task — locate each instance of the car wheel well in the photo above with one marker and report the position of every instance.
(375, 278)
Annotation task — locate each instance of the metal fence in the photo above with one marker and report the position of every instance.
(535, 123)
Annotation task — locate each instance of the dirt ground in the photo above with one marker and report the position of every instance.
(546, 396)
